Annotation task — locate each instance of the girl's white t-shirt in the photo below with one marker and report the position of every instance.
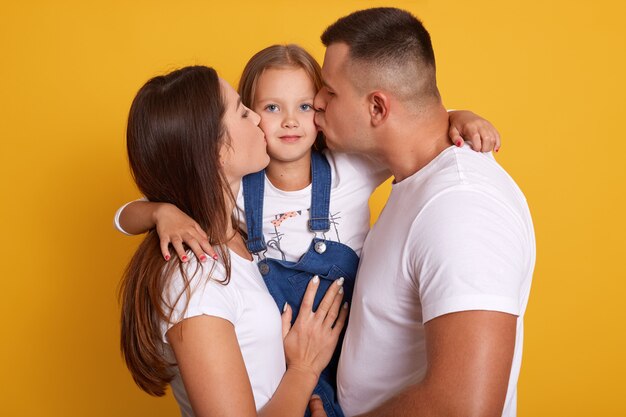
(286, 213)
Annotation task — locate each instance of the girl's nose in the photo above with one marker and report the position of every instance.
(290, 122)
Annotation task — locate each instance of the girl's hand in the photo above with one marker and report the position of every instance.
(175, 227)
(465, 125)
(310, 343)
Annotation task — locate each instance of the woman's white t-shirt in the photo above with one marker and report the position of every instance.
(246, 303)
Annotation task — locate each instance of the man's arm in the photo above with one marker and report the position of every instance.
(469, 358)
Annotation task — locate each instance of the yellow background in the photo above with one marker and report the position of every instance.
(549, 74)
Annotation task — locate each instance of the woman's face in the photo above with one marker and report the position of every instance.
(244, 150)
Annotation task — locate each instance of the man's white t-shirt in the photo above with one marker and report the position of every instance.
(246, 303)
(455, 236)
(286, 213)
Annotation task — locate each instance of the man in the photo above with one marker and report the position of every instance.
(436, 323)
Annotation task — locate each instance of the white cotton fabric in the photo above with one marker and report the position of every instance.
(286, 213)
(455, 236)
(246, 303)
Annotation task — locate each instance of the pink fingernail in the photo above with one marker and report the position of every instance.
(167, 257)
(203, 258)
(496, 150)
(184, 259)
(215, 256)
(458, 143)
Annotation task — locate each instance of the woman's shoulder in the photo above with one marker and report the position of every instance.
(202, 288)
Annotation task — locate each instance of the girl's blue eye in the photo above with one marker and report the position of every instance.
(306, 107)
(271, 108)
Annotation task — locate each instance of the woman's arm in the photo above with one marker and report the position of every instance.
(212, 367)
(214, 373)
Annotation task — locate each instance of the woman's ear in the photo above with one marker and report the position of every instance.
(223, 155)
(379, 104)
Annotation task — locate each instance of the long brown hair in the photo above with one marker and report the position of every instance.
(279, 56)
(174, 136)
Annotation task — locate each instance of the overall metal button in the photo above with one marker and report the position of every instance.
(320, 247)
(264, 268)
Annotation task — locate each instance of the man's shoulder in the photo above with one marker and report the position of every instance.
(464, 170)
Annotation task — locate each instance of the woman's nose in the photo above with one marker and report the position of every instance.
(256, 118)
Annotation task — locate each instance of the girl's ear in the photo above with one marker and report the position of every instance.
(379, 106)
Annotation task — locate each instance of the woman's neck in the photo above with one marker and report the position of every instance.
(290, 176)
(234, 241)
(237, 245)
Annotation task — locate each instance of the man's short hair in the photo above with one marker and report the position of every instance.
(393, 46)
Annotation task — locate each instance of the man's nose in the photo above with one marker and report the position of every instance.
(319, 102)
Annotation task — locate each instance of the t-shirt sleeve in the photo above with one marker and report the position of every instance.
(118, 213)
(205, 295)
(357, 167)
(467, 252)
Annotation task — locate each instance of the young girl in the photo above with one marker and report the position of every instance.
(307, 213)
(212, 330)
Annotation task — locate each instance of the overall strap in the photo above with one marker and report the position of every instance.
(253, 188)
(320, 193)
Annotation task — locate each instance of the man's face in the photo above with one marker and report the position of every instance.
(342, 112)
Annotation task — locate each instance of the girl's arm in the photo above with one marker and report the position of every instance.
(137, 216)
(214, 373)
(465, 125)
(173, 227)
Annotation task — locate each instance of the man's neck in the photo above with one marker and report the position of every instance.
(412, 144)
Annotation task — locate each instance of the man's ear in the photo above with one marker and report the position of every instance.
(379, 106)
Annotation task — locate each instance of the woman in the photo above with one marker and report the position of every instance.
(211, 329)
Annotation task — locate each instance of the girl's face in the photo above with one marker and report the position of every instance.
(244, 150)
(284, 100)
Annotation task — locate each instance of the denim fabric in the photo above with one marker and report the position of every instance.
(287, 281)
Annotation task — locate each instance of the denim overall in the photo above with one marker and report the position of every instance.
(287, 281)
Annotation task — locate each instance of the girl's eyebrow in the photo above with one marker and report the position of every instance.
(304, 98)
